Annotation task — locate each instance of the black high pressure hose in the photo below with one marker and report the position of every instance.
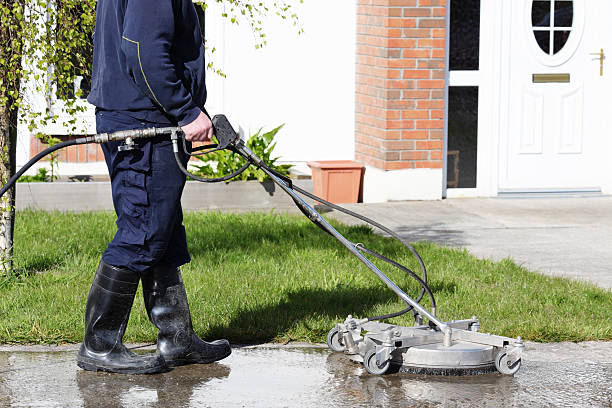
(225, 143)
(128, 136)
(36, 158)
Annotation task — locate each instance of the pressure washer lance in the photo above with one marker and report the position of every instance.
(443, 348)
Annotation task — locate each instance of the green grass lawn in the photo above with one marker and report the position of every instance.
(269, 277)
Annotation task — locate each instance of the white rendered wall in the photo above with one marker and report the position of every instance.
(306, 81)
(36, 101)
(380, 186)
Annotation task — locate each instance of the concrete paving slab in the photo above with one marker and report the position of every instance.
(568, 237)
(560, 374)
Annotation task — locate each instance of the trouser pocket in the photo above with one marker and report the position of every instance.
(133, 208)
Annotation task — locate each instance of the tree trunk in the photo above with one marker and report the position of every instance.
(8, 142)
(11, 44)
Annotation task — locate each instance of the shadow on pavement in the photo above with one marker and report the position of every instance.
(433, 233)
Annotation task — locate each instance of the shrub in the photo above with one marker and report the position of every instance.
(41, 177)
(224, 162)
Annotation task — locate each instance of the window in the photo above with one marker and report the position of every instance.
(464, 35)
(464, 65)
(552, 22)
(462, 136)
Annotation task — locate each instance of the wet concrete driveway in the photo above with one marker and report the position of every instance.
(563, 375)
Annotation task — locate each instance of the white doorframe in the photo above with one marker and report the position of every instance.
(490, 84)
(494, 90)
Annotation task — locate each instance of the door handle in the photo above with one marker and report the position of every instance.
(601, 56)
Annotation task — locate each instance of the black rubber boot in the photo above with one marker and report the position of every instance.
(106, 316)
(166, 302)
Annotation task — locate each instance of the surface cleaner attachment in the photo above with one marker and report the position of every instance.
(451, 348)
(446, 348)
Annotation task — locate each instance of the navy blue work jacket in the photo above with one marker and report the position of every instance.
(149, 60)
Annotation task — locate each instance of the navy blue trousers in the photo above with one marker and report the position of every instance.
(147, 186)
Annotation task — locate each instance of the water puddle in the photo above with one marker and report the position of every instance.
(282, 377)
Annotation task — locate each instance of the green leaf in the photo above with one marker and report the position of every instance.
(224, 162)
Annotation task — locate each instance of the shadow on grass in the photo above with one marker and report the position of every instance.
(274, 237)
(298, 312)
(40, 263)
(442, 287)
(232, 236)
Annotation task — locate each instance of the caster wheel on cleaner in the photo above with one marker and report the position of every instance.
(334, 341)
(369, 362)
(502, 365)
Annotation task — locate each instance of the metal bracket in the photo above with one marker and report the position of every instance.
(515, 352)
(127, 145)
(350, 331)
(383, 354)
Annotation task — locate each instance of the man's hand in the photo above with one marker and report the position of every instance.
(200, 130)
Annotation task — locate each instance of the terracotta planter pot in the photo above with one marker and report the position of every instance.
(338, 181)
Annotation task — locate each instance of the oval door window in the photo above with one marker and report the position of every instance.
(552, 22)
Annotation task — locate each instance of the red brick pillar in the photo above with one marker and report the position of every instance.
(400, 83)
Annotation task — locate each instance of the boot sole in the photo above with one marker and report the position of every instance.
(186, 361)
(93, 366)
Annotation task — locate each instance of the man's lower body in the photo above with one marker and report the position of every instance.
(150, 245)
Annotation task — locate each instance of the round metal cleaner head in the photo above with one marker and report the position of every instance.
(461, 358)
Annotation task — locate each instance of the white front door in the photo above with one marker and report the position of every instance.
(559, 103)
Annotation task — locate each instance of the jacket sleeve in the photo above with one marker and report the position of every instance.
(147, 40)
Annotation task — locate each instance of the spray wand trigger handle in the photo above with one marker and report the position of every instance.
(225, 133)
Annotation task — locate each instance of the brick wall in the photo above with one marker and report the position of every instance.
(85, 153)
(399, 97)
